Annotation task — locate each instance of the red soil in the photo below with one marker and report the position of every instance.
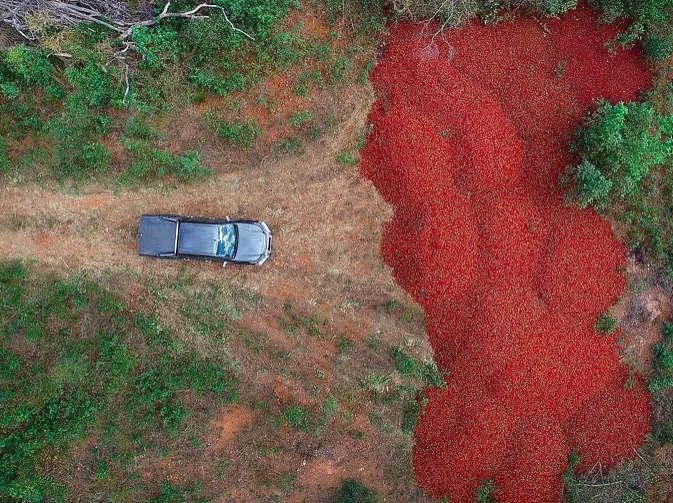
(467, 144)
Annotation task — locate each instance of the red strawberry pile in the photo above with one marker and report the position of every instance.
(470, 133)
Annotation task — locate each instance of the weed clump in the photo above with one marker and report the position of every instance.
(663, 361)
(241, 133)
(353, 491)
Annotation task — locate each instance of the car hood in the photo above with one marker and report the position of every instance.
(253, 243)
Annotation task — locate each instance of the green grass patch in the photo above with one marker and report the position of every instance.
(354, 491)
(301, 118)
(122, 376)
(409, 367)
(241, 133)
(605, 324)
(663, 361)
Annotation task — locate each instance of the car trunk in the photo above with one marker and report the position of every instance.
(157, 235)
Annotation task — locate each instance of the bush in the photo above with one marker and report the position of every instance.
(156, 45)
(407, 366)
(31, 68)
(410, 415)
(625, 153)
(353, 491)
(618, 145)
(592, 186)
(152, 163)
(172, 54)
(663, 361)
(490, 11)
(297, 417)
(78, 153)
(657, 48)
(605, 324)
(240, 133)
(649, 20)
(136, 128)
(4, 160)
(187, 167)
(300, 118)
(485, 492)
(213, 82)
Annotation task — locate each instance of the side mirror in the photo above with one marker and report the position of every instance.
(227, 219)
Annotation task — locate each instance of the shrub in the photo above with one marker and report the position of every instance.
(300, 118)
(407, 366)
(31, 68)
(9, 90)
(649, 20)
(485, 492)
(188, 167)
(657, 48)
(4, 160)
(456, 13)
(297, 417)
(605, 324)
(410, 417)
(150, 162)
(353, 491)
(240, 133)
(290, 145)
(571, 486)
(136, 128)
(592, 186)
(346, 159)
(624, 170)
(156, 44)
(338, 70)
(618, 145)
(92, 85)
(663, 361)
(78, 153)
(213, 82)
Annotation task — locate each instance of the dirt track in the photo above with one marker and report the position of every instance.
(319, 212)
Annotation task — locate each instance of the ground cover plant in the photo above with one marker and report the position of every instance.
(65, 97)
(74, 360)
(482, 240)
(140, 406)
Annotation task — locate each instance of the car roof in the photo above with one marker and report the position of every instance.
(196, 238)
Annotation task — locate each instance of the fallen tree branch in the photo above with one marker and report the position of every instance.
(190, 14)
(119, 17)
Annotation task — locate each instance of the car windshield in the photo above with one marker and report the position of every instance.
(226, 240)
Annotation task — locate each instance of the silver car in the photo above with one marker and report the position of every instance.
(172, 236)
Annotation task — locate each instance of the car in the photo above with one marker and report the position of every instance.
(224, 240)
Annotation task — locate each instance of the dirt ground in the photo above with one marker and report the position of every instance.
(326, 221)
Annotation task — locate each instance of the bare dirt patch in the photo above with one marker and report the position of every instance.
(228, 423)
